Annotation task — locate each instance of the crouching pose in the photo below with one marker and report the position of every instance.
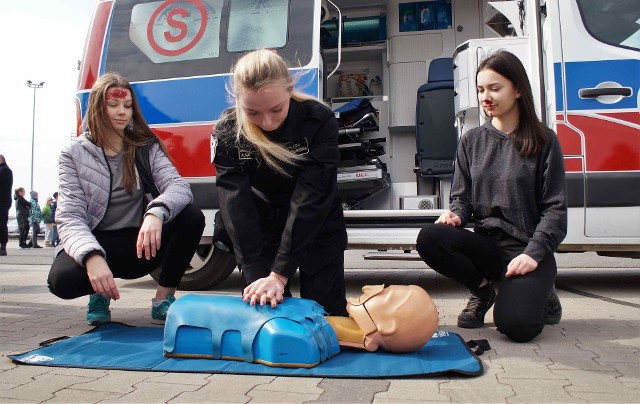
(276, 156)
(509, 176)
(123, 208)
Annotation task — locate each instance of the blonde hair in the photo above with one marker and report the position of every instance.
(259, 70)
(137, 133)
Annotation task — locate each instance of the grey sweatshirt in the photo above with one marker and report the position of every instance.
(525, 197)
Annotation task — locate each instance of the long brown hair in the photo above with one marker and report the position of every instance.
(136, 134)
(531, 135)
(259, 70)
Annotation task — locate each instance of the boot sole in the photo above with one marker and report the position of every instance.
(553, 319)
(470, 324)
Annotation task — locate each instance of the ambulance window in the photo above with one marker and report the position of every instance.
(616, 22)
(257, 24)
(176, 31)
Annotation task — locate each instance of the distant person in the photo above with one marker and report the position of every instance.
(35, 217)
(509, 177)
(6, 184)
(55, 239)
(23, 208)
(124, 210)
(47, 220)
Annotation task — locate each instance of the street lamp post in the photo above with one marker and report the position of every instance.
(35, 86)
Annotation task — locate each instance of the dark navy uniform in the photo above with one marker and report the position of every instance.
(279, 223)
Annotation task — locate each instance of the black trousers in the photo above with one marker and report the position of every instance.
(468, 257)
(4, 221)
(23, 228)
(180, 238)
(322, 270)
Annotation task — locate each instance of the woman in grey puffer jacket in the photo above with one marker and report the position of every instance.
(123, 209)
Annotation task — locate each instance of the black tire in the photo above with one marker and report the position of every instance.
(210, 266)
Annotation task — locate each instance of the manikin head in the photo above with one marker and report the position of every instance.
(399, 318)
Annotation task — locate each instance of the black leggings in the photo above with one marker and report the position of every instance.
(468, 257)
(23, 228)
(180, 238)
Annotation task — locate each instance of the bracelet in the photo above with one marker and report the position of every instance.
(279, 280)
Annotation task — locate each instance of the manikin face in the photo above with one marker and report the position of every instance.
(119, 108)
(266, 108)
(497, 94)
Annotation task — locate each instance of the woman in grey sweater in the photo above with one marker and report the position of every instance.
(509, 178)
(123, 209)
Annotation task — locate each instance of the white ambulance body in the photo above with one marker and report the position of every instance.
(582, 57)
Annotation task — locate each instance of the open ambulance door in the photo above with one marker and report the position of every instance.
(597, 83)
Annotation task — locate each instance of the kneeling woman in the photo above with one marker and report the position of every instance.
(123, 209)
(276, 171)
(509, 176)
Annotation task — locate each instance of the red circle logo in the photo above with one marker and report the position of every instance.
(176, 24)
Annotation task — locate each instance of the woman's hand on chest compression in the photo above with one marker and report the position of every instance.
(521, 265)
(149, 236)
(267, 290)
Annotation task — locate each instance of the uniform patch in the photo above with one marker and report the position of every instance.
(244, 154)
(300, 147)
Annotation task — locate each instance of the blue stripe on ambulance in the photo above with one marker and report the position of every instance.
(589, 74)
(196, 99)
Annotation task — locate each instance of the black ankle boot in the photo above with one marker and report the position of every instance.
(479, 304)
(553, 308)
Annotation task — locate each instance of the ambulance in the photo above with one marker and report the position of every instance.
(413, 62)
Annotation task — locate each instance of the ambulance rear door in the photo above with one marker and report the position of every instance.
(600, 71)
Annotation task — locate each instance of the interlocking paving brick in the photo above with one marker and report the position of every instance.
(629, 373)
(268, 396)
(20, 375)
(539, 391)
(71, 395)
(116, 381)
(151, 392)
(525, 368)
(224, 388)
(486, 388)
(196, 379)
(413, 390)
(611, 351)
(42, 387)
(350, 390)
(591, 397)
(305, 385)
(594, 382)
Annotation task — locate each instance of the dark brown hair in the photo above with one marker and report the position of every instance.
(531, 135)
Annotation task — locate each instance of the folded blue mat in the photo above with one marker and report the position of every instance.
(122, 347)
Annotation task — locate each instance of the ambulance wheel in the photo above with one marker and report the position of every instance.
(210, 266)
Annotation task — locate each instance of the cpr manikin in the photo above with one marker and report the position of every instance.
(296, 333)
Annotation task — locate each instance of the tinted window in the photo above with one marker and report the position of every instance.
(257, 24)
(151, 40)
(612, 21)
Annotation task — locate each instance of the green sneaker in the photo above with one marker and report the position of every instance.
(98, 310)
(159, 309)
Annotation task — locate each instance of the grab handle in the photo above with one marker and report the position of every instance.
(597, 92)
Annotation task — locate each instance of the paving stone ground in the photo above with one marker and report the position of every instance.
(592, 356)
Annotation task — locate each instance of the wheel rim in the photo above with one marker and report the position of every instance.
(200, 258)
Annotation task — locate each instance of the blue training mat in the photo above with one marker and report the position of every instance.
(123, 347)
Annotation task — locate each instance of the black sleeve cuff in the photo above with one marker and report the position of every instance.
(89, 255)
